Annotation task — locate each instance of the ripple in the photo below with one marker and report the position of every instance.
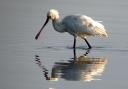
(110, 49)
(96, 48)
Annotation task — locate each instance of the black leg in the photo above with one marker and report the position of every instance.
(74, 45)
(88, 43)
(87, 52)
(74, 48)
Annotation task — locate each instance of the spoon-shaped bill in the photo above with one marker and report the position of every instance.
(36, 37)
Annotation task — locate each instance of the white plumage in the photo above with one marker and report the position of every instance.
(76, 25)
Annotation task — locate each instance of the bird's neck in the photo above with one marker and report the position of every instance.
(58, 26)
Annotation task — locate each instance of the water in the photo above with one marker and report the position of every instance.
(29, 64)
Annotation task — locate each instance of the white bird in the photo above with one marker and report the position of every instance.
(76, 25)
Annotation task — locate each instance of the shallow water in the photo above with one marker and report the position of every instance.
(29, 64)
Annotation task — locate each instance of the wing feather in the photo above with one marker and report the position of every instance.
(98, 29)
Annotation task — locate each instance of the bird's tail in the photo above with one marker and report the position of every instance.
(100, 32)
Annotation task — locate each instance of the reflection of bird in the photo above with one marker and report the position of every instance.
(44, 70)
(84, 68)
(76, 25)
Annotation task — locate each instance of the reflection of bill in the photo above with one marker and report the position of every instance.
(84, 68)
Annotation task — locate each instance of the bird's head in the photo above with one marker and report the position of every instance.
(53, 15)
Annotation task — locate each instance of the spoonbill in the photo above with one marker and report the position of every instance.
(77, 25)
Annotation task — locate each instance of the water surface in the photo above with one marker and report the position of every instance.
(29, 64)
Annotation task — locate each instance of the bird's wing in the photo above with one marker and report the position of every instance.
(97, 29)
(93, 27)
(71, 24)
(82, 25)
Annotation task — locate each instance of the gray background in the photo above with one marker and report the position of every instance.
(20, 20)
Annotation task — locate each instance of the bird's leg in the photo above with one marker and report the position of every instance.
(74, 51)
(87, 52)
(88, 43)
(74, 48)
(74, 45)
